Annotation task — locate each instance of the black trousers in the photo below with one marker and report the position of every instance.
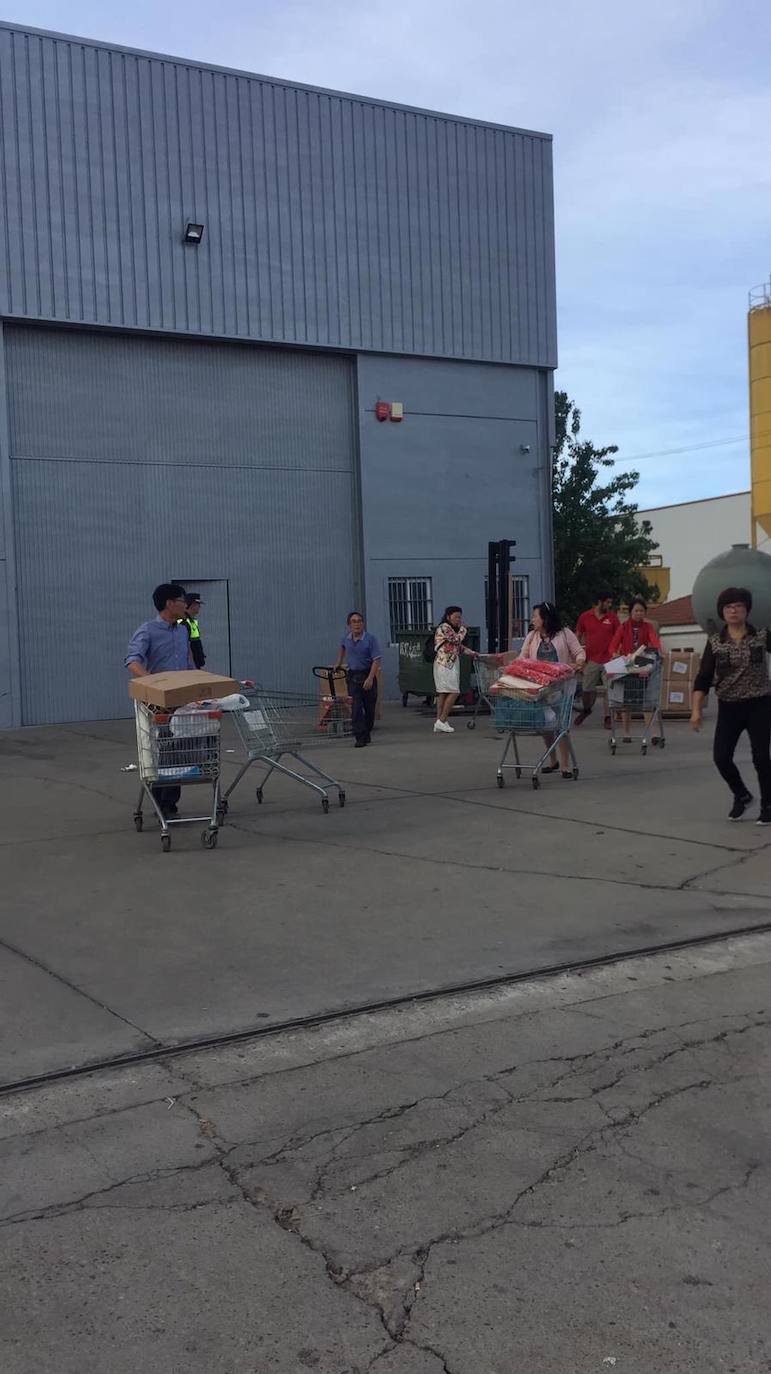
(733, 718)
(363, 702)
(164, 794)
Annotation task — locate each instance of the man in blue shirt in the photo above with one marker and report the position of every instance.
(361, 653)
(162, 645)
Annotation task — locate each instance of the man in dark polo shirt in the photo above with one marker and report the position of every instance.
(361, 654)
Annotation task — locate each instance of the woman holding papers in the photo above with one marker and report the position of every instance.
(635, 634)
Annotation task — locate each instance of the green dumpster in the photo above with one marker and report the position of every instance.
(416, 677)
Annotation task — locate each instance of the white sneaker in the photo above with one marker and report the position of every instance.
(449, 729)
(437, 727)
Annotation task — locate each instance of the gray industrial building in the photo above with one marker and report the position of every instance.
(207, 411)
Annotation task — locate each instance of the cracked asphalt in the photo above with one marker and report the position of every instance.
(557, 1175)
(567, 1174)
(429, 878)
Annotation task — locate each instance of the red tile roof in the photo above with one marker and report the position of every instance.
(677, 612)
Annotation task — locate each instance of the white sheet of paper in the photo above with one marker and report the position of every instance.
(616, 667)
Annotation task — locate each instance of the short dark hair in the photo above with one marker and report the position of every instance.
(450, 610)
(550, 617)
(190, 597)
(732, 594)
(166, 591)
(351, 614)
(604, 596)
(638, 601)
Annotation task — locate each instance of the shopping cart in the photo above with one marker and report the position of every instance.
(486, 668)
(277, 725)
(178, 749)
(551, 715)
(635, 693)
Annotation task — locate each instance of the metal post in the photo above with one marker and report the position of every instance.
(504, 562)
(492, 609)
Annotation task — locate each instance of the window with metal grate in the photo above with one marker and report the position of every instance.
(410, 604)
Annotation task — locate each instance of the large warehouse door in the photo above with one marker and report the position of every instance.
(139, 459)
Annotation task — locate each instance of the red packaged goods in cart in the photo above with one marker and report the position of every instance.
(539, 671)
(531, 677)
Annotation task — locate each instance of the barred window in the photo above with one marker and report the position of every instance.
(410, 604)
(521, 606)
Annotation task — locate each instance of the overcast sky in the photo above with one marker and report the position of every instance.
(661, 116)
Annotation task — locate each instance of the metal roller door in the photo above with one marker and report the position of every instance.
(138, 459)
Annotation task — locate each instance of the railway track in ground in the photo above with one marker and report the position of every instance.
(253, 1034)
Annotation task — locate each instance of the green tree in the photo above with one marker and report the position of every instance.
(599, 542)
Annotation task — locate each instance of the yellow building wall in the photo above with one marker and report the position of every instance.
(760, 420)
(658, 577)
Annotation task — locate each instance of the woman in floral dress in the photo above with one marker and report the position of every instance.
(448, 646)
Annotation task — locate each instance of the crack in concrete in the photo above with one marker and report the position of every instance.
(83, 1120)
(80, 1204)
(363, 1283)
(463, 799)
(67, 782)
(289, 1219)
(73, 987)
(359, 846)
(413, 1150)
(625, 1046)
(735, 862)
(653, 1215)
(685, 1046)
(394, 1285)
(381, 1355)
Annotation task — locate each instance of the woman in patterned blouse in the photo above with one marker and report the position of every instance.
(737, 661)
(448, 647)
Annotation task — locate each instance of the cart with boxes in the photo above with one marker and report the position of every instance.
(178, 732)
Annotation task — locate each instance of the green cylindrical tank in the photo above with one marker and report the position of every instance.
(740, 566)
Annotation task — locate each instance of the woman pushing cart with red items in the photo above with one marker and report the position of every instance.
(550, 642)
(534, 696)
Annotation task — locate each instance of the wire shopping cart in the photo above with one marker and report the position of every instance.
(551, 715)
(178, 749)
(277, 725)
(486, 668)
(635, 693)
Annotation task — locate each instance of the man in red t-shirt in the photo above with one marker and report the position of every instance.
(595, 630)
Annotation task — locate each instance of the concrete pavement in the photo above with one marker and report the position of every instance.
(430, 877)
(567, 1176)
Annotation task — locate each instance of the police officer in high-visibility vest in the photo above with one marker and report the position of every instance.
(193, 604)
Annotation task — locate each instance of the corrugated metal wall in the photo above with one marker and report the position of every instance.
(491, 481)
(330, 220)
(135, 460)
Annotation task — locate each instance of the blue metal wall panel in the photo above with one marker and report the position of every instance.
(330, 220)
(121, 398)
(136, 460)
(469, 463)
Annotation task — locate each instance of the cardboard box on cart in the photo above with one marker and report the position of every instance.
(169, 690)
